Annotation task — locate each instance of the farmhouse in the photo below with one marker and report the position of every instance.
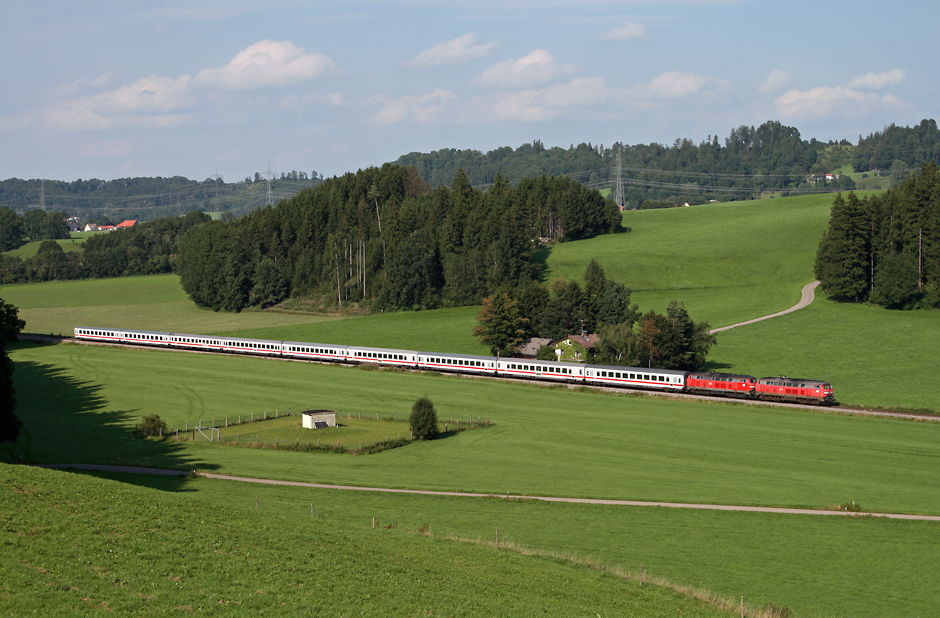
(530, 347)
(318, 419)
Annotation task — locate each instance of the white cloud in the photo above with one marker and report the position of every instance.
(848, 100)
(539, 104)
(675, 85)
(834, 101)
(877, 81)
(461, 50)
(423, 109)
(538, 67)
(777, 80)
(628, 31)
(154, 102)
(266, 64)
(331, 99)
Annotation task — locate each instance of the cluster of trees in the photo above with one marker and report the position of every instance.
(601, 305)
(904, 147)
(15, 231)
(145, 249)
(885, 249)
(383, 235)
(751, 160)
(10, 327)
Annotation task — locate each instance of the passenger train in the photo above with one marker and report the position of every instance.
(781, 388)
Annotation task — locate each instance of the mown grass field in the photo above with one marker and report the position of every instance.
(151, 303)
(85, 401)
(815, 566)
(81, 403)
(78, 545)
(607, 446)
(727, 262)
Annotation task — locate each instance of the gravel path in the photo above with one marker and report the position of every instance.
(808, 294)
(671, 505)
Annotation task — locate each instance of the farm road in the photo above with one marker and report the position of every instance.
(671, 505)
(808, 294)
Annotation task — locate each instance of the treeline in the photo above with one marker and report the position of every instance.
(770, 157)
(15, 231)
(885, 249)
(112, 201)
(601, 306)
(383, 235)
(898, 147)
(146, 249)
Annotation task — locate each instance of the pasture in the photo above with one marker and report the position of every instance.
(153, 303)
(69, 245)
(80, 404)
(544, 440)
(79, 545)
(86, 400)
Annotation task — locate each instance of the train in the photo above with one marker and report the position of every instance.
(779, 388)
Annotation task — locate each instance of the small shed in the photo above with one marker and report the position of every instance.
(318, 419)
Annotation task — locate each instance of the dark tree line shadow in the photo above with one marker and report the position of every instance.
(69, 421)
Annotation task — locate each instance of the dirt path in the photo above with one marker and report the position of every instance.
(808, 294)
(671, 505)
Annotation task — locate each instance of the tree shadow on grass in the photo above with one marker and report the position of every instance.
(540, 261)
(67, 421)
(715, 366)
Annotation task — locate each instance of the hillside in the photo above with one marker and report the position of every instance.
(77, 545)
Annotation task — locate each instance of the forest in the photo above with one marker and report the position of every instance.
(385, 236)
(885, 249)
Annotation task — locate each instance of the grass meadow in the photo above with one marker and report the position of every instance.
(726, 262)
(87, 399)
(79, 545)
(151, 303)
(69, 245)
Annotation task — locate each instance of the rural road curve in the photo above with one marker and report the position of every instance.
(672, 505)
(809, 293)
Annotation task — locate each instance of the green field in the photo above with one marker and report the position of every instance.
(150, 303)
(68, 245)
(726, 262)
(87, 399)
(77, 545)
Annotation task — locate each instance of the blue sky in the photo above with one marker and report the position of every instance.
(118, 88)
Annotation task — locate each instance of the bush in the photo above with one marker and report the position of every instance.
(423, 420)
(152, 425)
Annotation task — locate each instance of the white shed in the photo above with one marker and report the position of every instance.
(318, 419)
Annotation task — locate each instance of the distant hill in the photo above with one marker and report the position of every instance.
(112, 201)
(750, 162)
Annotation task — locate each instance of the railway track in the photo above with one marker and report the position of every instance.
(900, 414)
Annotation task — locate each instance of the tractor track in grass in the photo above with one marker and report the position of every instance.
(507, 496)
(807, 295)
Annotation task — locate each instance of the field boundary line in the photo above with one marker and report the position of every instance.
(507, 496)
(807, 295)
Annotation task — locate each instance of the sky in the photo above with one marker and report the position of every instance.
(123, 88)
